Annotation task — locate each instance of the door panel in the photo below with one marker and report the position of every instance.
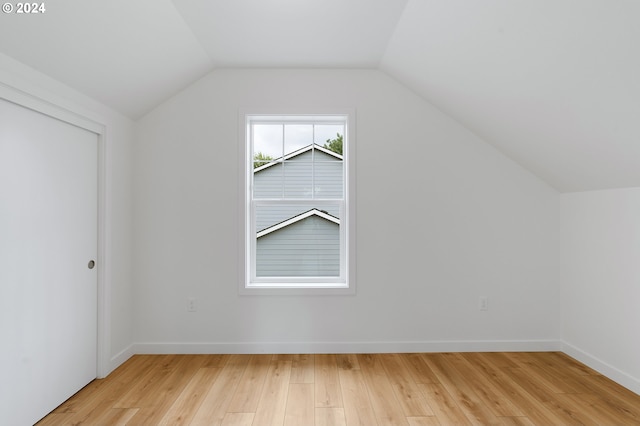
(48, 234)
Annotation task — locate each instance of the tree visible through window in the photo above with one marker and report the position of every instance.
(260, 159)
(335, 145)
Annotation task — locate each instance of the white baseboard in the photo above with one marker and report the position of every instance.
(618, 376)
(120, 358)
(349, 347)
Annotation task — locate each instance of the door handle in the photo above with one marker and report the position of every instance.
(92, 264)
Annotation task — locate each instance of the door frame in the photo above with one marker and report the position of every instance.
(40, 105)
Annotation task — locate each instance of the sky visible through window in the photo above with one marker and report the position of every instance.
(272, 141)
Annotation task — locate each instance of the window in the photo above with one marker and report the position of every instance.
(298, 178)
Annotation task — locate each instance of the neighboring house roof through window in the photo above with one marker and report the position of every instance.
(296, 153)
(320, 213)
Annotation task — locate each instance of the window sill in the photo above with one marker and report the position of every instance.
(294, 289)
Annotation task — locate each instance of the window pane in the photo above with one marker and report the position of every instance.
(268, 216)
(267, 143)
(267, 181)
(297, 136)
(298, 177)
(325, 133)
(305, 244)
(328, 181)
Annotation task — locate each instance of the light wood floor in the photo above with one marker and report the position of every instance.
(370, 389)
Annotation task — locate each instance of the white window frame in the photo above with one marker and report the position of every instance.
(249, 284)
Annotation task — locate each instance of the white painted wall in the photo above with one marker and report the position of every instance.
(443, 218)
(119, 134)
(600, 276)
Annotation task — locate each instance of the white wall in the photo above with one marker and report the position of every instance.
(119, 134)
(600, 275)
(443, 218)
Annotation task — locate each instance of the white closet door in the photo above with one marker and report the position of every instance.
(48, 236)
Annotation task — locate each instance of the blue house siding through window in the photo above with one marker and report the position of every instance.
(306, 248)
(292, 240)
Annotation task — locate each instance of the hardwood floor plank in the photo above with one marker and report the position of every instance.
(539, 394)
(215, 360)
(273, 400)
(498, 359)
(151, 381)
(533, 384)
(423, 421)
(516, 421)
(559, 377)
(419, 369)
(571, 364)
(514, 389)
(385, 405)
(300, 405)
(217, 400)
(158, 400)
(443, 405)
(303, 368)
(357, 405)
(117, 417)
(282, 357)
(347, 362)
(488, 392)
(517, 358)
(588, 408)
(85, 397)
(460, 389)
(535, 398)
(327, 384)
(411, 400)
(247, 394)
(187, 404)
(89, 415)
(56, 419)
(568, 415)
(617, 399)
(238, 419)
(330, 417)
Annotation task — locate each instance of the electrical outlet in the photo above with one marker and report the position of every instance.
(483, 303)
(191, 304)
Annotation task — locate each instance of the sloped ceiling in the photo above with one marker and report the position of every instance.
(127, 54)
(554, 84)
(293, 33)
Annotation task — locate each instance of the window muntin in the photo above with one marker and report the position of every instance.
(296, 215)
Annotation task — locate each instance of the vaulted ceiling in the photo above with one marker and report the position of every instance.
(554, 84)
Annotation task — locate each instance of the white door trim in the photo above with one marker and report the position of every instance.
(27, 100)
